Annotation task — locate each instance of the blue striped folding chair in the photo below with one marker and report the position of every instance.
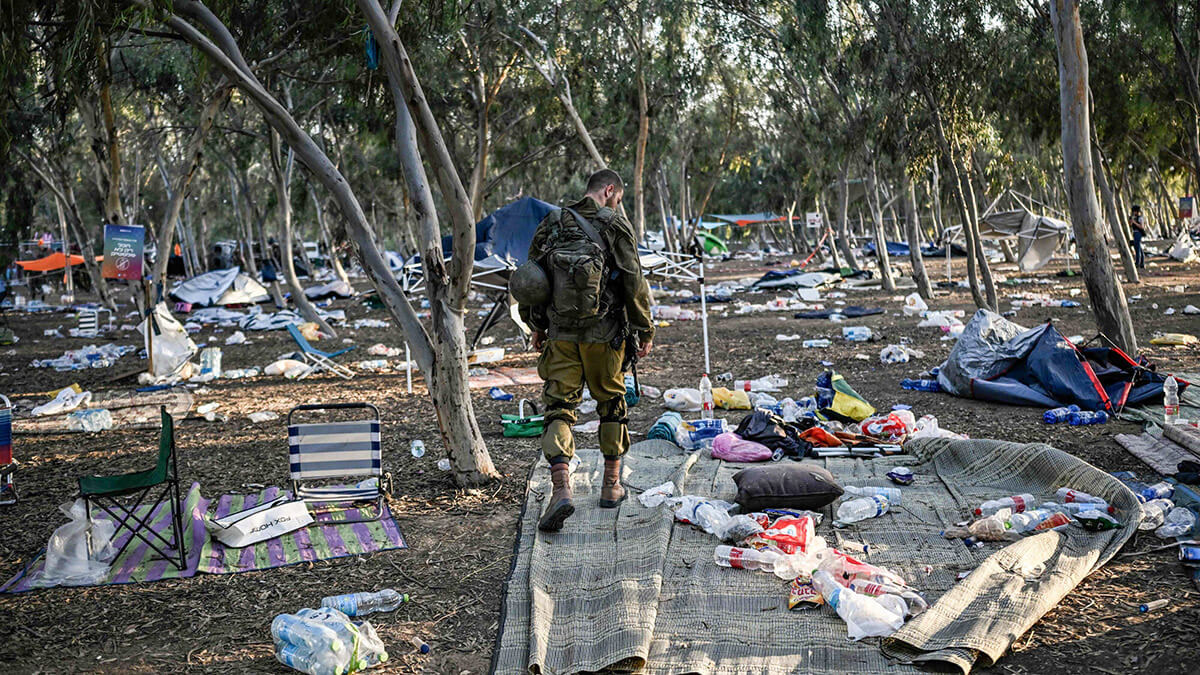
(8, 466)
(321, 452)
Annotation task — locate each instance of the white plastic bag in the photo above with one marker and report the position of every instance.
(682, 400)
(170, 345)
(914, 304)
(66, 400)
(67, 559)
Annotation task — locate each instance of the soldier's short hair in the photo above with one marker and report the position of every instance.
(602, 179)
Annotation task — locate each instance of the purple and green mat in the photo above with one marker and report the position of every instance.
(329, 537)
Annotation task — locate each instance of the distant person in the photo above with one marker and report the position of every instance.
(1137, 222)
(589, 305)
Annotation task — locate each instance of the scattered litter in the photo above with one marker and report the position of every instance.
(899, 354)
(238, 338)
(914, 305)
(263, 416)
(207, 411)
(370, 323)
(787, 338)
(1191, 309)
(289, 368)
(93, 419)
(901, 475)
(90, 356)
(1175, 339)
(498, 394)
(443, 464)
(383, 350)
(657, 495)
(590, 427)
(66, 400)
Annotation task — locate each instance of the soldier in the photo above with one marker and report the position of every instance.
(583, 293)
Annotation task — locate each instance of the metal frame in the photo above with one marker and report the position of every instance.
(382, 477)
(170, 490)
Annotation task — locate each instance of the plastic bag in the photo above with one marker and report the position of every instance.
(67, 559)
(733, 448)
(657, 495)
(914, 304)
(682, 400)
(289, 368)
(67, 399)
(310, 330)
(366, 649)
(894, 427)
(712, 516)
(927, 426)
(899, 354)
(172, 348)
(730, 399)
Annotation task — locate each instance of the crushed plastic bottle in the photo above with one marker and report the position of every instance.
(1016, 504)
(91, 420)
(322, 662)
(855, 510)
(294, 630)
(746, 558)
(1160, 490)
(1025, 522)
(362, 604)
(1066, 495)
(1057, 415)
(856, 333)
(1154, 513)
(818, 343)
(920, 385)
(864, 616)
(1087, 417)
(1179, 522)
(418, 448)
(892, 494)
(365, 648)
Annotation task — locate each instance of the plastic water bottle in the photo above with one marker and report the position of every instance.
(1160, 490)
(892, 494)
(418, 448)
(808, 407)
(1178, 523)
(856, 333)
(818, 343)
(1154, 513)
(1056, 415)
(862, 508)
(1055, 521)
(706, 398)
(920, 385)
(1017, 503)
(362, 604)
(746, 558)
(419, 644)
(1086, 417)
(1073, 508)
(1066, 495)
(1171, 401)
(322, 662)
(1024, 522)
(864, 615)
(314, 637)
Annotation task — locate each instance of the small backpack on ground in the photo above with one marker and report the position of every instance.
(577, 263)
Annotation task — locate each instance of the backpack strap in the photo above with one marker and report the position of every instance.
(588, 229)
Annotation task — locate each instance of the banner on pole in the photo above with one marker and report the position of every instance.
(813, 219)
(123, 252)
(1185, 207)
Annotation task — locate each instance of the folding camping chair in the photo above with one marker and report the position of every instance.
(8, 490)
(318, 359)
(89, 322)
(106, 492)
(337, 450)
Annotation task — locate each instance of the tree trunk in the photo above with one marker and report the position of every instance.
(985, 269)
(1114, 220)
(483, 140)
(281, 167)
(843, 215)
(326, 236)
(833, 249)
(195, 148)
(668, 236)
(1105, 292)
(639, 162)
(881, 252)
(912, 227)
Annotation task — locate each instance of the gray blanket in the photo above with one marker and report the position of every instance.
(631, 590)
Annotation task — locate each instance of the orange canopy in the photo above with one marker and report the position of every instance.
(54, 261)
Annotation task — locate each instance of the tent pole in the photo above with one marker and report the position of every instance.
(408, 366)
(704, 312)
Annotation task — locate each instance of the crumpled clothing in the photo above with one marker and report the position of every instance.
(770, 430)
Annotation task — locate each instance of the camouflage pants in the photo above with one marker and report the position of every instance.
(566, 367)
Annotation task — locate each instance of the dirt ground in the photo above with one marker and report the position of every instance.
(461, 543)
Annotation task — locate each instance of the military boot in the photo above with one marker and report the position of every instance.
(612, 494)
(561, 507)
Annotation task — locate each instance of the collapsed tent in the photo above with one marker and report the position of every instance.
(221, 287)
(795, 279)
(54, 261)
(893, 248)
(1038, 237)
(711, 243)
(998, 360)
(507, 231)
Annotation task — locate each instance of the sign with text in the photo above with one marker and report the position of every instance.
(123, 252)
(1185, 207)
(814, 219)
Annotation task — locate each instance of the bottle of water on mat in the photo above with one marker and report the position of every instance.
(1059, 415)
(1178, 523)
(1160, 490)
(706, 398)
(1171, 401)
(362, 604)
(746, 558)
(321, 662)
(862, 509)
(1025, 522)
(1016, 503)
(892, 494)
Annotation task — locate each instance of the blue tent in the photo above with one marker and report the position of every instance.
(507, 231)
(893, 248)
(998, 360)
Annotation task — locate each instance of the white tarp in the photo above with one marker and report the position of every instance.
(1038, 237)
(220, 287)
(169, 345)
(1184, 249)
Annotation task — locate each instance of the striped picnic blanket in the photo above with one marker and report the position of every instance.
(325, 539)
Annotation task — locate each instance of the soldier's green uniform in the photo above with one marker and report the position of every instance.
(572, 358)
